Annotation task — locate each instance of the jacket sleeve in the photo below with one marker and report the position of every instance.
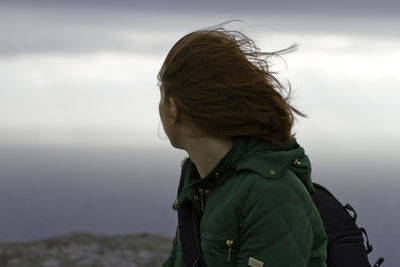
(276, 228)
(170, 261)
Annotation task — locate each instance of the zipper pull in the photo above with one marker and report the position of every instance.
(201, 193)
(229, 244)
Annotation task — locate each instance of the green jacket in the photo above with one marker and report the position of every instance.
(255, 209)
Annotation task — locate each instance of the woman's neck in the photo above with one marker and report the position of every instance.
(206, 152)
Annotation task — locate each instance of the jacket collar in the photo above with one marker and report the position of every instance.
(251, 153)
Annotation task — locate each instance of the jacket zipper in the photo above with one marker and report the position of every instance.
(228, 243)
(201, 193)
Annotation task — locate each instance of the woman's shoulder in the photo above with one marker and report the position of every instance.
(286, 187)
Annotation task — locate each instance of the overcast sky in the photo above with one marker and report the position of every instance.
(85, 73)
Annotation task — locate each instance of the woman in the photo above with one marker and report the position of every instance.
(250, 180)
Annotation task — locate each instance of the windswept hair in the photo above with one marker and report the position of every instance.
(221, 81)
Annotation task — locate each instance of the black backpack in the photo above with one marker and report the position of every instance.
(345, 239)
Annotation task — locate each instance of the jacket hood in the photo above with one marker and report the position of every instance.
(260, 156)
(272, 161)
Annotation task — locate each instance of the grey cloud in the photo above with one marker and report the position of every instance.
(148, 27)
(47, 31)
(338, 7)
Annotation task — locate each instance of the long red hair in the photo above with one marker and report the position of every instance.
(221, 81)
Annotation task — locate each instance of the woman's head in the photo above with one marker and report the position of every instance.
(220, 81)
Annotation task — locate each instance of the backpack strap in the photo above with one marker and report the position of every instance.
(185, 164)
(189, 228)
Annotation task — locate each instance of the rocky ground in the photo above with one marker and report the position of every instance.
(87, 249)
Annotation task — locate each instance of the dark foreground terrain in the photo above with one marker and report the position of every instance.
(87, 249)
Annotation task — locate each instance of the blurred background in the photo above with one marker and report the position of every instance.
(81, 144)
